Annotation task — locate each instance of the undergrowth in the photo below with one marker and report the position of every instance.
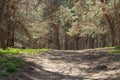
(115, 50)
(10, 62)
(16, 51)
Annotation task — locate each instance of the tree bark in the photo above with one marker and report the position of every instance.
(56, 36)
(111, 30)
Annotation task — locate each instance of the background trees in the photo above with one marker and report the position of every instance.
(7, 17)
(59, 24)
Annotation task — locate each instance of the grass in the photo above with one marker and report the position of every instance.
(115, 50)
(10, 62)
(16, 51)
(4, 73)
(117, 47)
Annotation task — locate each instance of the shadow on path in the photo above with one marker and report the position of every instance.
(78, 62)
(31, 71)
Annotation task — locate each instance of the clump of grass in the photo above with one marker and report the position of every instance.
(10, 64)
(11, 68)
(4, 73)
(17, 62)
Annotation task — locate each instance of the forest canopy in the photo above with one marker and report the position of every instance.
(59, 24)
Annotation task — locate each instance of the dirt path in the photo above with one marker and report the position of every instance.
(70, 65)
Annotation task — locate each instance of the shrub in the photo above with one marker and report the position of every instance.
(11, 68)
(4, 73)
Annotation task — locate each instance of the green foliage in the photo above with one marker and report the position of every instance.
(3, 61)
(17, 62)
(11, 68)
(9, 51)
(10, 64)
(16, 51)
(114, 51)
(77, 17)
(117, 47)
(4, 73)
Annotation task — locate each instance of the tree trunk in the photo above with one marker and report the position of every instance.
(7, 30)
(76, 42)
(65, 41)
(10, 25)
(111, 30)
(56, 36)
(2, 39)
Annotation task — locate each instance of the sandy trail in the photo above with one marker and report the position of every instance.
(70, 65)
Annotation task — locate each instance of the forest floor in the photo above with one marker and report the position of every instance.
(69, 65)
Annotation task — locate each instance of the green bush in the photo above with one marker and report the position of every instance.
(18, 62)
(10, 64)
(11, 68)
(4, 73)
(3, 61)
(117, 47)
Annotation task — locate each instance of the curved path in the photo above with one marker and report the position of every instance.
(70, 65)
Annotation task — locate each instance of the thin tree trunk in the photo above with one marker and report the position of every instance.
(56, 36)
(65, 41)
